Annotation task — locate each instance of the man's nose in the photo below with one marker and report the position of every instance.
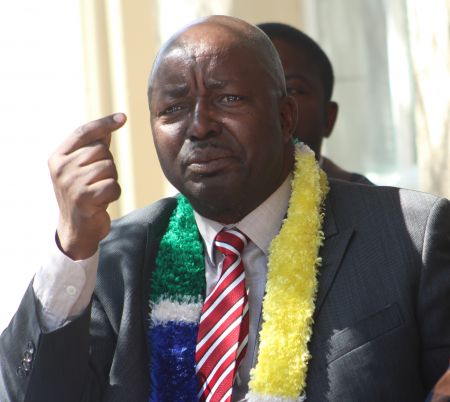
(204, 120)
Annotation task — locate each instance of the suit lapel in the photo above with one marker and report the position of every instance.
(332, 252)
(155, 231)
(149, 263)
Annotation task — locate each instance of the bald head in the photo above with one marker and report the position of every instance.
(217, 35)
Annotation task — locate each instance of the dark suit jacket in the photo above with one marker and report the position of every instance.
(382, 321)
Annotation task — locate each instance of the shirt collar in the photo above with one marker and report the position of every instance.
(261, 225)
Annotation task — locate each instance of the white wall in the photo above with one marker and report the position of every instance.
(41, 100)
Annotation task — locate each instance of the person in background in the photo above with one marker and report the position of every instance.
(260, 281)
(309, 80)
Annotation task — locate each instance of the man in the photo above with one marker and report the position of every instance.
(309, 80)
(376, 326)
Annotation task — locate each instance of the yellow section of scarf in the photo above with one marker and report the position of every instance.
(289, 303)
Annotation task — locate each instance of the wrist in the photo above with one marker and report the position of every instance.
(75, 247)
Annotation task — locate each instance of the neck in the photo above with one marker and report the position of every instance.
(235, 213)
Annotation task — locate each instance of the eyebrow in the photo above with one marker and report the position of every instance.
(175, 90)
(212, 83)
(296, 76)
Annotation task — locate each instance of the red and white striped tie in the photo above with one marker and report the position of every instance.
(223, 331)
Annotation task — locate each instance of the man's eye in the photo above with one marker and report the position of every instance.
(170, 110)
(294, 91)
(230, 98)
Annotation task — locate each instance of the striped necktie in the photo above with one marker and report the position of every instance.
(224, 323)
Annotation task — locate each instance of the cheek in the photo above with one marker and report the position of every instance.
(256, 136)
(309, 114)
(170, 130)
(168, 137)
(167, 150)
(303, 106)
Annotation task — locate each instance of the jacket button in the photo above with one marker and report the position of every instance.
(30, 347)
(27, 357)
(26, 365)
(21, 372)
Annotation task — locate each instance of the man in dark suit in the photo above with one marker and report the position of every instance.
(222, 126)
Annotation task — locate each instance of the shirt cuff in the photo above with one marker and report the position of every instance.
(64, 287)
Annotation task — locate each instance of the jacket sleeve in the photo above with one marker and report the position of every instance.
(55, 366)
(434, 293)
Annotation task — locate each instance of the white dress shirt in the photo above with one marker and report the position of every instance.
(64, 287)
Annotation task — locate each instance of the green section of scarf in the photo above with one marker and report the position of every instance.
(180, 265)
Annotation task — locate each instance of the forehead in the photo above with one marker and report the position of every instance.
(212, 57)
(233, 54)
(185, 60)
(294, 55)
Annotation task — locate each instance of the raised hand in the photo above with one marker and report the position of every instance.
(85, 182)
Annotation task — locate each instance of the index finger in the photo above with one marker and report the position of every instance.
(96, 130)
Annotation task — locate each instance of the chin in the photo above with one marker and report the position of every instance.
(213, 203)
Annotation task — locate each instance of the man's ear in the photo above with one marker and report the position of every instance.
(332, 109)
(288, 117)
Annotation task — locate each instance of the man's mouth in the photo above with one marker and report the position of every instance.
(206, 161)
